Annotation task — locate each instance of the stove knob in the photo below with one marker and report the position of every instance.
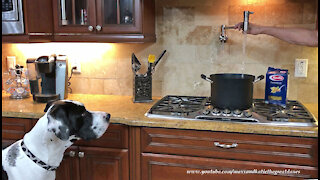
(215, 111)
(237, 112)
(247, 114)
(226, 111)
(206, 112)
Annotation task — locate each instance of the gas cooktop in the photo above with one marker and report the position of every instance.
(200, 108)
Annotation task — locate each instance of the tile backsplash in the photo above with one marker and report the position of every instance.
(189, 30)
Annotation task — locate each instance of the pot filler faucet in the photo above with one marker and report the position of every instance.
(223, 37)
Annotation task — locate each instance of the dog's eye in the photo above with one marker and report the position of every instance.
(83, 114)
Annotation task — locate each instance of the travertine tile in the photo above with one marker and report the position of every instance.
(289, 13)
(277, 2)
(310, 53)
(87, 86)
(201, 35)
(126, 87)
(157, 88)
(309, 12)
(308, 93)
(111, 86)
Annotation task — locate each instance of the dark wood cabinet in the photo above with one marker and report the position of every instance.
(172, 167)
(14, 128)
(158, 153)
(104, 163)
(38, 23)
(87, 21)
(169, 153)
(104, 20)
(103, 158)
(69, 168)
(94, 163)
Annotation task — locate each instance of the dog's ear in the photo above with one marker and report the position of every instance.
(59, 128)
(49, 105)
(57, 122)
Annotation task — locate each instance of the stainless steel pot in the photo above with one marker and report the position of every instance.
(232, 91)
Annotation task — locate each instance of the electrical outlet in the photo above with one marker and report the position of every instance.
(77, 65)
(301, 68)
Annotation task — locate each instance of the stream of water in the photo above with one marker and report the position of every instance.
(244, 44)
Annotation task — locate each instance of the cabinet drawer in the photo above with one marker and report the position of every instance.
(116, 136)
(172, 167)
(262, 148)
(15, 128)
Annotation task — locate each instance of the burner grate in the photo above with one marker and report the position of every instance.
(196, 107)
(293, 111)
(179, 104)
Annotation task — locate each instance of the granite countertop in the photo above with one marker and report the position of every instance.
(124, 111)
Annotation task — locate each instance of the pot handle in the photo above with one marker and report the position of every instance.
(259, 78)
(206, 78)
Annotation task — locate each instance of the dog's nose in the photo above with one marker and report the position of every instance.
(107, 117)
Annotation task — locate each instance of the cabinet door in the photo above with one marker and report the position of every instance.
(15, 128)
(171, 167)
(69, 167)
(103, 163)
(119, 16)
(74, 16)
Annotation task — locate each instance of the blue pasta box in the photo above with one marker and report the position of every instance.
(276, 86)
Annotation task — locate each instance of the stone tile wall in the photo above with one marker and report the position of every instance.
(189, 31)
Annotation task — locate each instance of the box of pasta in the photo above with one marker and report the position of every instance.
(276, 86)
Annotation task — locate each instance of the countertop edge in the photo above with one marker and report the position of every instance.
(311, 132)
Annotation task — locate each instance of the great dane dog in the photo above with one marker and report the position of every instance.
(40, 152)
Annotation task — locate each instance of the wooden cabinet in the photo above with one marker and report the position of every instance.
(104, 20)
(170, 153)
(69, 167)
(38, 23)
(103, 158)
(14, 128)
(104, 163)
(87, 21)
(172, 167)
(94, 163)
(158, 153)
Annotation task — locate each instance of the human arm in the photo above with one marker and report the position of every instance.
(299, 36)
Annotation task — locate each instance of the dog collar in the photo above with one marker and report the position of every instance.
(36, 159)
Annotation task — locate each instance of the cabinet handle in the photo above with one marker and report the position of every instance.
(98, 27)
(72, 153)
(81, 154)
(226, 146)
(90, 28)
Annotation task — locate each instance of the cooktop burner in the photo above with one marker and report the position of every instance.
(178, 105)
(194, 107)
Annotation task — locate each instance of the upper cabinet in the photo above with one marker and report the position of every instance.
(104, 20)
(37, 23)
(87, 21)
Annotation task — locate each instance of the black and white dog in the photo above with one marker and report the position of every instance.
(39, 153)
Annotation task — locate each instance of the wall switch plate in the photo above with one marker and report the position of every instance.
(78, 67)
(301, 68)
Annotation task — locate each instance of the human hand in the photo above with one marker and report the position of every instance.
(252, 29)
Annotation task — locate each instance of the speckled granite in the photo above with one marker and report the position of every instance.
(124, 111)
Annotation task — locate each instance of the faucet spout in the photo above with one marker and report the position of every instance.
(246, 20)
(223, 36)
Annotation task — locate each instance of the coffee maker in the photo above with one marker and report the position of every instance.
(48, 77)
